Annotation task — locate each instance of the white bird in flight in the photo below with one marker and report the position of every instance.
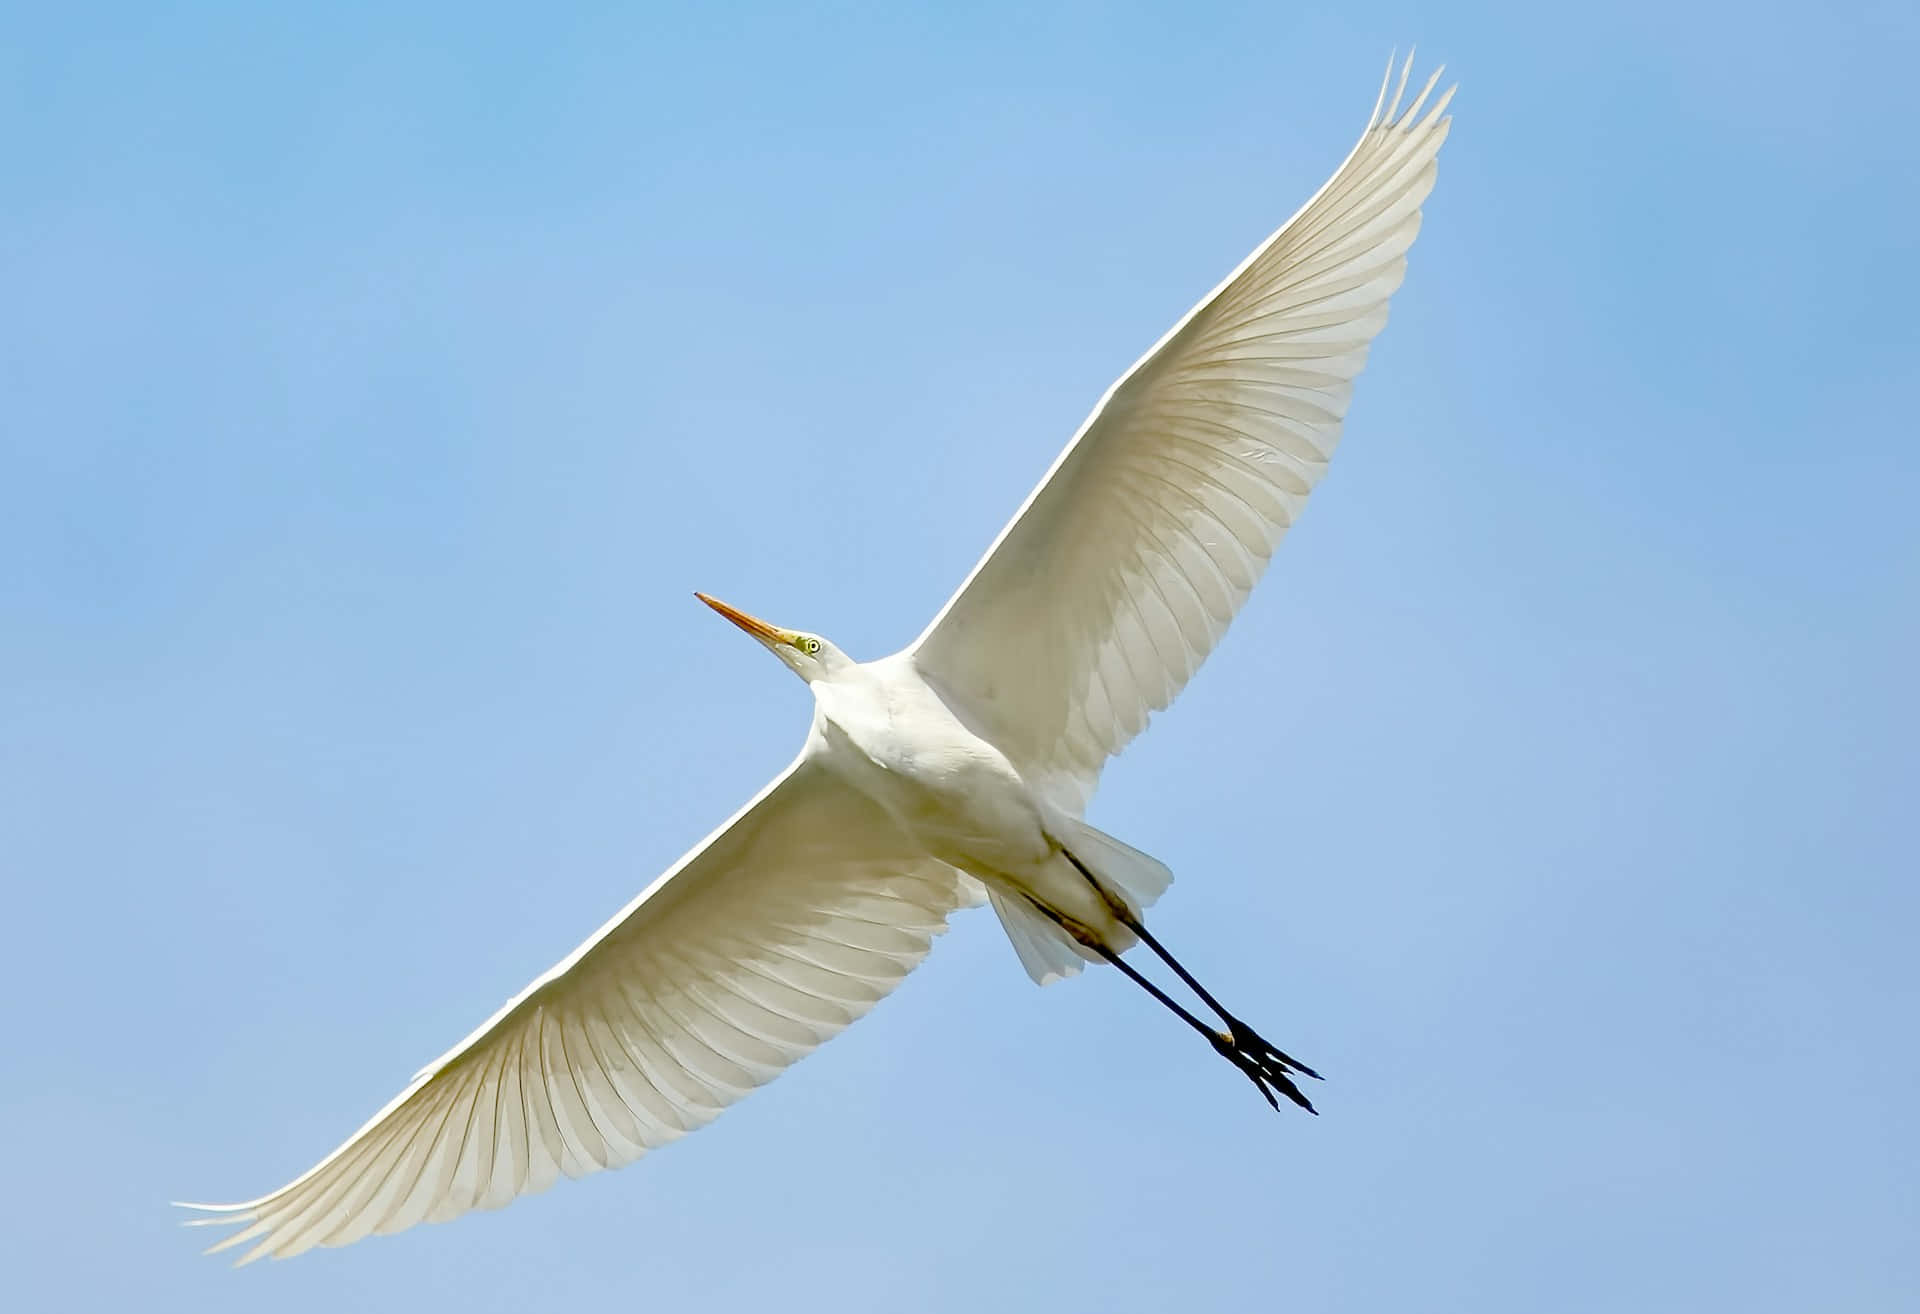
(956, 769)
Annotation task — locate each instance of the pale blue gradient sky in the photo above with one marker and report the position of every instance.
(375, 388)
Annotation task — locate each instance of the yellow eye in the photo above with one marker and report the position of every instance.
(812, 646)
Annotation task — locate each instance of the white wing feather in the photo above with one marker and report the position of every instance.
(1124, 567)
(782, 927)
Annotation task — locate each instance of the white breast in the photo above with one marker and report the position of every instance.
(889, 735)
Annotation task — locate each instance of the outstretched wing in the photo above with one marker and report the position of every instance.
(1122, 570)
(778, 930)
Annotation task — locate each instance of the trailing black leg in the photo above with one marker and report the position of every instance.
(1244, 1037)
(1267, 1077)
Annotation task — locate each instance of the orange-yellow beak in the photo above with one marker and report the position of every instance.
(753, 625)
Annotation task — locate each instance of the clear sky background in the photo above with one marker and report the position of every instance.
(375, 387)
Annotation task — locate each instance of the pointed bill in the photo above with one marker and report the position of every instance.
(753, 625)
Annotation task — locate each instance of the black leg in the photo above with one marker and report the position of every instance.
(1267, 1077)
(1244, 1036)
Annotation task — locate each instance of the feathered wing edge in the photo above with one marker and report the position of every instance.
(1105, 674)
(766, 940)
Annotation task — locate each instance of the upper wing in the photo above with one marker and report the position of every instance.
(1122, 570)
(785, 925)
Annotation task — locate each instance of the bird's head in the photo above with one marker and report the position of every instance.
(807, 655)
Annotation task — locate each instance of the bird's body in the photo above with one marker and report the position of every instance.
(884, 731)
(887, 733)
(957, 768)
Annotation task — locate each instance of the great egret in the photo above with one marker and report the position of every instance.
(955, 769)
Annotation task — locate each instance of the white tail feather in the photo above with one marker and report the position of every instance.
(1046, 951)
(1135, 876)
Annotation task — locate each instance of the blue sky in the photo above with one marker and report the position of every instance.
(376, 387)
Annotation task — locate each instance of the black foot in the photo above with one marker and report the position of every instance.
(1251, 1041)
(1267, 1068)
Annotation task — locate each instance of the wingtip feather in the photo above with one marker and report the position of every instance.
(1373, 120)
(1406, 71)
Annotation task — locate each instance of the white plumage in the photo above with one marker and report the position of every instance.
(962, 762)
(1112, 584)
(773, 934)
